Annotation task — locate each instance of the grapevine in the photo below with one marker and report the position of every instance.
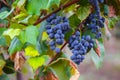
(51, 38)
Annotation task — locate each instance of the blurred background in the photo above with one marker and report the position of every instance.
(110, 70)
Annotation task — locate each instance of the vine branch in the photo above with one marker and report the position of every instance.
(57, 10)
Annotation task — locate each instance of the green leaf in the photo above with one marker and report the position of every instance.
(36, 62)
(52, 2)
(2, 30)
(74, 21)
(4, 77)
(34, 6)
(62, 69)
(29, 35)
(2, 41)
(83, 12)
(41, 45)
(5, 14)
(15, 46)
(98, 61)
(84, 2)
(112, 21)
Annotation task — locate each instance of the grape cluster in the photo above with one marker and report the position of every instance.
(94, 21)
(56, 28)
(79, 46)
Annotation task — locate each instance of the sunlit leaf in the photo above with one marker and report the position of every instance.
(34, 6)
(12, 32)
(45, 36)
(36, 62)
(31, 51)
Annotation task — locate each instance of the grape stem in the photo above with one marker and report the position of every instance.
(57, 10)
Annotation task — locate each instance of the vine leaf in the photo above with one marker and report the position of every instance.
(97, 49)
(98, 54)
(83, 12)
(5, 14)
(38, 61)
(41, 45)
(15, 46)
(34, 6)
(49, 76)
(29, 35)
(2, 64)
(64, 69)
(74, 21)
(19, 60)
(31, 51)
(12, 32)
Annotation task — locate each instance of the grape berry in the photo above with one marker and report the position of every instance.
(56, 28)
(79, 46)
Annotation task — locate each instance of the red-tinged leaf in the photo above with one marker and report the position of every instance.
(50, 76)
(64, 69)
(18, 59)
(97, 49)
(97, 54)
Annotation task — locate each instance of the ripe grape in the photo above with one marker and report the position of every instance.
(79, 46)
(56, 28)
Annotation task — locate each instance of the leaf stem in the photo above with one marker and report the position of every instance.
(57, 10)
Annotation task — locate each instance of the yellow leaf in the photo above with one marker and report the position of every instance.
(44, 36)
(2, 64)
(36, 62)
(30, 51)
(12, 32)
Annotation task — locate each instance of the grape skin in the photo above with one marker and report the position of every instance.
(79, 46)
(56, 28)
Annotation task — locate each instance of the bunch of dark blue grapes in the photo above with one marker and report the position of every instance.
(79, 46)
(56, 28)
(95, 21)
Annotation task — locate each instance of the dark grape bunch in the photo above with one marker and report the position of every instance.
(56, 28)
(79, 46)
(95, 21)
